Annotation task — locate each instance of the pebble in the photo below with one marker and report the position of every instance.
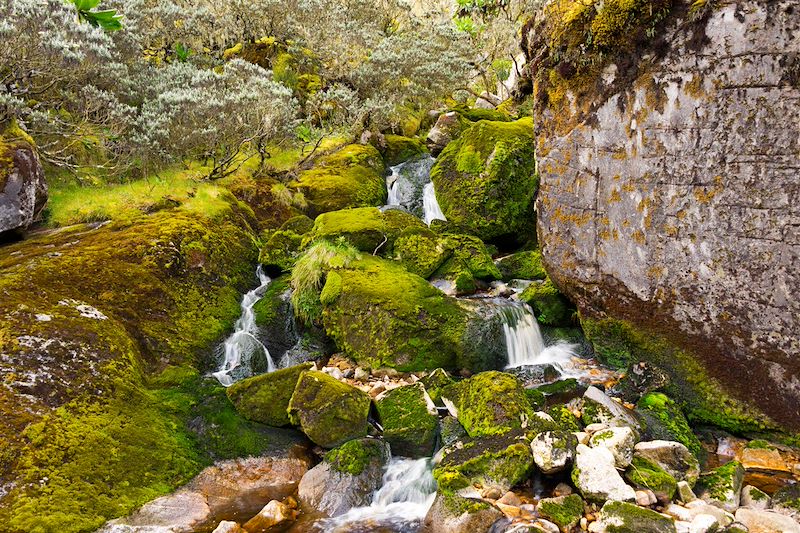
(492, 493)
(361, 374)
(509, 498)
(594, 428)
(562, 489)
(645, 498)
(584, 524)
(377, 389)
(685, 492)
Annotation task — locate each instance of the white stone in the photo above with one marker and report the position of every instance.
(703, 523)
(619, 440)
(227, 527)
(597, 478)
(766, 521)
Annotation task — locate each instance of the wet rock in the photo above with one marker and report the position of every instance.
(346, 478)
(685, 492)
(274, 515)
(409, 426)
(665, 421)
(451, 430)
(619, 441)
(596, 477)
(622, 517)
(722, 486)
(265, 398)
(23, 189)
(522, 265)
(328, 411)
(509, 498)
(600, 408)
(454, 514)
(641, 378)
(766, 521)
(765, 468)
(673, 457)
(532, 375)
(564, 511)
(447, 128)
(646, 474)
(554, 451)
(550, 307)
(754, 498)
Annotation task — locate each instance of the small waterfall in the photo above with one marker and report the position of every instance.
(400, 505)
(242, 346)
(525, 344)
(430, 205)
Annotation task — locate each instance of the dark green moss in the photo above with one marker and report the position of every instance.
(522, 265)
(722, 482)
(645, 474)
(408, 427)
(671, 418)
(474, 114)
(536, 398)
(624, 517)
(268, 307)
(565, 511)
(354, 456)
(435, 382)
(399, 149)
(265, 398)
(550, 307)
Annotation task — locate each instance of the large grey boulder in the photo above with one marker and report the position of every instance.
(766, 521)
(23, 189)
(454, 514)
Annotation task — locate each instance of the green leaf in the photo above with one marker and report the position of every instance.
(108, 19)
(85, 5)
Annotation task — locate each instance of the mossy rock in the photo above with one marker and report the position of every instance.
(486, 180)
(409, 428)
(281, 250)
(474, 114)
(350, 177)
(563, 511)
(565, 419)
(355, 456)
(522, 265)
(299, 224)
(722, 486)
(646, 474)
(366, 228)
(490, 403)
(328, 411)
(265, 398)
(435, 382)
(665, 421)
(550, 307)
(536, 398)
(421, 251)
(624, 517)
(399, 149)
(469, 260)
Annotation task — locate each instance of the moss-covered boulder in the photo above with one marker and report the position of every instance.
(490, 403)
(408, 425)
(673, 457)
(623, 517)
(665, 421)
(366, 228)
(550, 307)
(265, 398)
(722, 486)
(522, 265)
(329, 411)
(285, 244)
(565, 418)
(350, 177)
(399, 149)
(421, 251)
(435, 382)
(563, 511)
(450, 513)
(646, 474)
(448, 127)
(23, 188)
(469, 261)
(486, 180)
(554, 451)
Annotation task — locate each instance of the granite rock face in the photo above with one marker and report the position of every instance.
(673, 203)
(23, 189)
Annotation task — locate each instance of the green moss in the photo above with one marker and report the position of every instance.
(366, 228)
(670, 416)
(474, 114)
(522, 265)
(354, 456)
(759, 444)
(565, 511)
(561, 386)
(536, 398)
(268, 307)
(459, 506)
(486, 180)
(549, 305)
(468, 260)
(281, 250)
(421, 251)
(436, 382)
(723, 482)
(399, 149)
(408, 427)
(624, 517)
(565, 419)
(265, 398)
(350, 177)
(645, 474)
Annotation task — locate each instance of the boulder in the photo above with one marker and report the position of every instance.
(673, 457)
(265, 398)
(366, 228)
(421, 251)
(328, 411)
(765, 467)
(554, 451)
(564, 511)
(454, 514)
(641, 378)
(409, 426)
(399, 149)
(23, 189)
(766, 521)
(452, 431)
(646, 474)
(665, 421)
(469, 262)
(447, 128)
(722, 486)
(596, 477)
(753, 498)
(550, 306)
(522, 265)
(435, 382)
(274, 515)
(285, 244)
(619, 440)
(486, 180)
(787, 501)
(622, 517)
(598, 408)
(346, 478)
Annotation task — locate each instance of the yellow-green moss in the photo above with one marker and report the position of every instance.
(366, 228)
(265, 398)
(408, 427)
(399, 149)
(550, 307)
(354, 456)
(645, 474)
(565, 511)
(522, 265)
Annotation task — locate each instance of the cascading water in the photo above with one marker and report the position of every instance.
(525, 344)
(242, 347)
(430, 205)
(407, 492)
(410, 187)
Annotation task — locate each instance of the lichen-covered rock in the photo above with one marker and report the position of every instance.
(447, 128)
(622, 517)
(421, 251)
(596, 477)
(665, 421)
(673, 457)
(549, 305)
(522, 265)
(346, 478)
(666, 237)
(554, 451)
(350, 177)
(265, 398)
(722, 486)
(329, 411)
(490, 403)
(468, 262)
(563, 511)
(399, 149)
(754, 498)
(757, 521)
(619, 440)
(23, 189)
(598, 408)
(408, 424)
(365, 228)
(646, 474)
(454, 514)
(486, 180)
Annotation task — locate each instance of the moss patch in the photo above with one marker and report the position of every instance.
(408, 427)
(399, 149)
(645, 474)
(671, 418)
(522, 265)
(366, 228)
(265, 398)
(565, 511)
(550, 307)
(354, 456)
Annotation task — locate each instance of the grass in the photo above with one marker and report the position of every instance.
(284, 159)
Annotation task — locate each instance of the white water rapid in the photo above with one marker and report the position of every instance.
(525, 344)
(242, 346)
(430, 205)
(410, 186)
(407, 492)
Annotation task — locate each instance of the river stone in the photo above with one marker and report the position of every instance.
(564, 511)
(766, 521)
(622, 517)
(723, 486)
(409, 426)
(554, 451)
(23, 189)
(227, 526)
(346, 478)
(596, 477)
(435, 382)
(274, 515)
(265, 398)
(454, 514)
(447, 128)
(599, 408)
(646, 474)
(673, 457)
(754, 498)
(619, 441)
(329, 411)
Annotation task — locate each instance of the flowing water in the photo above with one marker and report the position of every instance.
(242, 349)
(410, 187)
(524, 342)
(430, 205)
(399, 506)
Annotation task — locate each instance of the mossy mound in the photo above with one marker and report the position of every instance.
(329, 411)
(666, 421)
(408, 426)
(350, 177)
(646, 474)
(550, 307)
(722, 486)
(522, 265)
(354, 456)
(436, 382)
(486, 180)
(469, 260)
(285, 244)
(421, 251)
(399, 149)
(564, 511)
(366, 228)
(265, 398)
(624, 517)
(490, 403)
(474, 114)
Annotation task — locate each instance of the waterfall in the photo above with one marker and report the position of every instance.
(430, 205)
(524, 342)
(400, 504)
(242, 346)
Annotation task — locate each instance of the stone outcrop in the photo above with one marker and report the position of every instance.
(23, 189)
(669, 206)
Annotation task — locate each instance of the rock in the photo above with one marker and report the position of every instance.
(486, 181)
(622, 517)
(596, 477)
(346, 478)
(565, 418)
(435, 382)
(399, 149)
(600, 408)
(722, 486)
(265, 398)
(564, 511)
(451, 430)
(605, 198)
(766, 521)
(509, 498)
(366, 228)
(698, 507)
(23, 189)
(685, 492)
(522, 265)
(645, 498)
(554, 451)
(447, 128)
(489, 403)
(228, 527)
(646, 474)
(673, 457)
(787, 501)
(703, 523)
(640, 379)
(421, 251)
(275, 514)
(349, 177)
(454, 514)
(665, 421)
(361, 375)
(550, 307)
(736, 527)
(562, 489)
(765, 468)
(285, 244)
(619, 440)
(468, 264)
(328, 411)
(408, 424)
(754, 498)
